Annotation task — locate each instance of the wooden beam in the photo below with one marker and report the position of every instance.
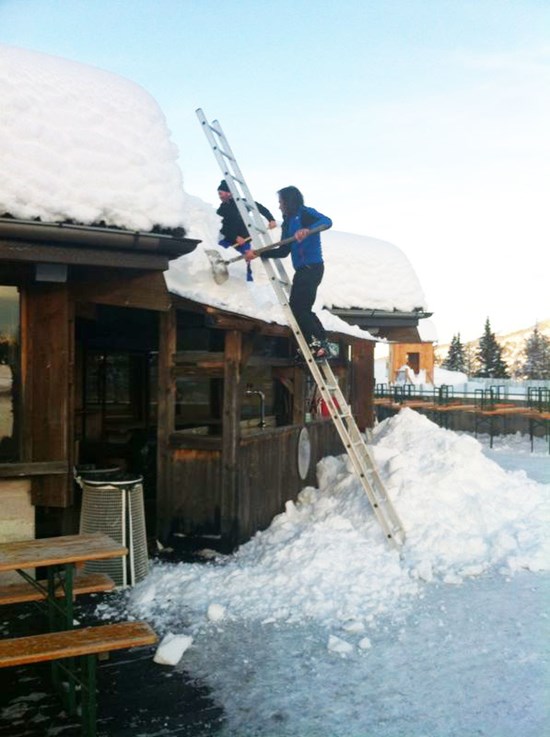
(248, 325)
(196, 357)
(230, 321)
(362, 383)
(201, 370)
(211, 359)
(299, 396)
(50, 254)
(23, 470)
(145, 291)
(166, 410)
(229, 511)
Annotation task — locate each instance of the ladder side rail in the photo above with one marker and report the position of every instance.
(377, 495)
(356, 447)
(392, 525)
(235, 180)
(242, 196)
(379, 500)
(242, 191)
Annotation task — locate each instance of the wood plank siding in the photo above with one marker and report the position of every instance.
(265, 477)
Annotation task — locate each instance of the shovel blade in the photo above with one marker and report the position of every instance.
(219, 266)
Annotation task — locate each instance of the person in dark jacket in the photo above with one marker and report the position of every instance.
(233, 229)
(307, 260)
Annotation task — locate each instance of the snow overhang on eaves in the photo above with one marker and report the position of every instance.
(393, 325)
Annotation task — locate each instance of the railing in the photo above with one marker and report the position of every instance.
(485, 398)
(538, 398)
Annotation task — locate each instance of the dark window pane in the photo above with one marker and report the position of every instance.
(10, 375)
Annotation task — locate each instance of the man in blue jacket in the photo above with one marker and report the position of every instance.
(307, 260)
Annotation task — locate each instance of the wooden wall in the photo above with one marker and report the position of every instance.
(398, 357)
(268, 472)
(266, 477)
(191, 501)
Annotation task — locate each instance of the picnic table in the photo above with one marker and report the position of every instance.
(71, 651)
(61, 557)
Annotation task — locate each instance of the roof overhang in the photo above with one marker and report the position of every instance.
(394, 325)
(226, 320)
(83, 245)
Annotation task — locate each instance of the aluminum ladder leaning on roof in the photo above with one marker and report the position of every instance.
(340, 413)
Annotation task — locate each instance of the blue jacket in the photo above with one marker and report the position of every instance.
(309, 250)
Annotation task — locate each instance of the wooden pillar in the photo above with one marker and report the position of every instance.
(229, 503)
(48, 365)
(165, 412)
(362, 383)
(298, 398)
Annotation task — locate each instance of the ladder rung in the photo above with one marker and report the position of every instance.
(225, 155)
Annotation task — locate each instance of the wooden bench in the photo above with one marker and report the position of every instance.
(20, 593)
(85, 644)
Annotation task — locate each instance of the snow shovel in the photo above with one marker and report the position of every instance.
(219, 264)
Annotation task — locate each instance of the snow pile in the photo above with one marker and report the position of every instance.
(449, 378)
(83, 144)
(325, 559)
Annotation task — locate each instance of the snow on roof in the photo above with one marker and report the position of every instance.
(427, 331)
(368, 273)
(82, 144)
(360, 272)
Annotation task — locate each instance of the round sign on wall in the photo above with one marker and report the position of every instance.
(304, 453)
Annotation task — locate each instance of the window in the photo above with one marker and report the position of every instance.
(10, 375)
(413, 359)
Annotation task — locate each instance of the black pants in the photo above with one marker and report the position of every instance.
(302, 297)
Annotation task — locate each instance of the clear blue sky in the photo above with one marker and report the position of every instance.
(421, 122)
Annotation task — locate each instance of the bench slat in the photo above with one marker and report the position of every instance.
(90, 583)
(72, 643)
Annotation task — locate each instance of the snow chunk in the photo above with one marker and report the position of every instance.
(337, 645)
(216, 612)
(172, 648)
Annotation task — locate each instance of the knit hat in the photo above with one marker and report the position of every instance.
(223, 186)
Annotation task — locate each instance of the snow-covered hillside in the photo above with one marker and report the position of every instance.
(513, 344)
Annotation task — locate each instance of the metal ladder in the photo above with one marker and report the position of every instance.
(327, 383)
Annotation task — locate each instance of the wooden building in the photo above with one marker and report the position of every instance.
(419, 356)
(105, 367)
(101, 364)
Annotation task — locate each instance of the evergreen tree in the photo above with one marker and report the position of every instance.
(489, 356)
(456, 358)
(537, 356)
(471, 361)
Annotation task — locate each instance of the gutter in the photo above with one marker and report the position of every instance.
(96, 237)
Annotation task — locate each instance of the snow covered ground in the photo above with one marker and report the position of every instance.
(315, 628)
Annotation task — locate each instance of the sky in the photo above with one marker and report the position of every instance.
(421, 122)
(372, 640)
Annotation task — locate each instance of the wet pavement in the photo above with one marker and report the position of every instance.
(136, 696)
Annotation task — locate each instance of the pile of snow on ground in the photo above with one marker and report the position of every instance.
(325, 559)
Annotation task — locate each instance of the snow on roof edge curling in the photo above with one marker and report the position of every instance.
(84, 145)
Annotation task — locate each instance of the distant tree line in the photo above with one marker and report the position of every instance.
(487, 361)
